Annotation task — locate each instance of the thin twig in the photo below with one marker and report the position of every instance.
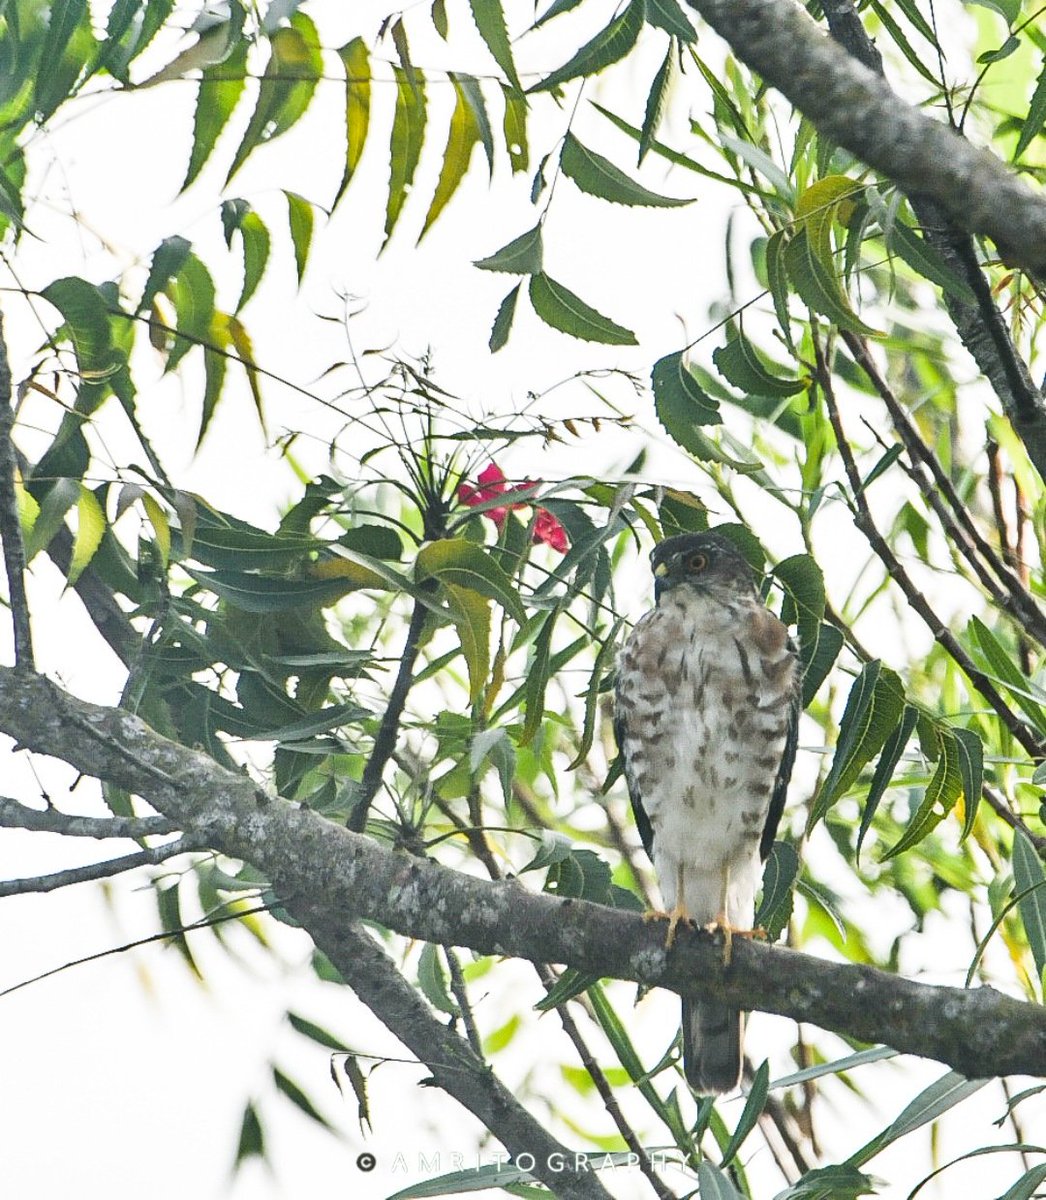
(997, 803)
(15, 815)
(385, 740)
(10, 523)
(461, 995)
(101, 870)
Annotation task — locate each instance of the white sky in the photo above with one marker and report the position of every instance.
(141, 1072)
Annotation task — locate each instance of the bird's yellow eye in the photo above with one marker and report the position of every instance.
(697, 562)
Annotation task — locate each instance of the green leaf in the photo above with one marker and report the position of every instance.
(166, 262)
(471, 616)
(317, 1034)
(555, 9)
(595, 689)
(740, 365)
(607, 47)
(1005, 671)
(927, 262)
(287, 87)
(462, 136)
(873, 710)
(272, 593)
(597, 176)
(252, 1138)
(537, 677)
(433, 981)
(221, 87)
(804, 587)
(490, 21)
(818, 660)
(892, 750)
(779, 876)
(656, 100)
(300, 218)
(298, 1098)
(1036, 118)
(570, 984)
(239, 217)
(560, 308)
(88, 327)
(932, 1102)
(680, 403)
(837, 1067)
(59, 498)
(521, 256)
(191, 291)
(1030, 878)
(408, 136)
(458, 562)
(503, 321)
(1004, 51)
(669, 16)
(61, 58)
(940, 795)
(356, 64)
(818, 287)
(837, 1182)
(971, 768)
(777, 278)
(214, 364)
(90, 526)
(1028, 1184)
(713, 1184)
(311, 724)
(750, 1115)
(514, 126)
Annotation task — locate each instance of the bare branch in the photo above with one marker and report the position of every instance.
(101, 870)
(10, 523)
(332, 872)
(15, 815)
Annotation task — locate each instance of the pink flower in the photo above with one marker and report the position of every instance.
(492, 484)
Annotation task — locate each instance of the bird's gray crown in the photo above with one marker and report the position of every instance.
(707, 561)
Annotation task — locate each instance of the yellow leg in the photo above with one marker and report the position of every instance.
(678, 915)
(723, 920)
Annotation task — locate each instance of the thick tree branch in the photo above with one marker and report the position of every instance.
(856, 108)
(334, 873)
(455, 1066)
(979, 324)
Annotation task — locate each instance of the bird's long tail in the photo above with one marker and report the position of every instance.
(712, 1039)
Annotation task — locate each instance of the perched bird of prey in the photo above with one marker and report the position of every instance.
(706, 713)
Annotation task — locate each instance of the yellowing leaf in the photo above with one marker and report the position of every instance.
(161, 526)
(462, 136)
(471, 615)
(90, 527)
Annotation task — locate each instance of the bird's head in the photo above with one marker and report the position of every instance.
(706, 562)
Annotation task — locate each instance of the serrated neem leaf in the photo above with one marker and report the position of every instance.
(669, 16)
(408, 136)
(356, 65)
(817, 660)
(503, 321)
(971, 769)
(656, 100)
(804, 584)
(311, 724)
(926, 261)
(680, 402)
(1030, 878)
(490, 21)
(598, 176)
(221, 87)
(777, 278)
(90, 526)
(458, 562)
(521, 256)
(514, 126)
(317, 1033)
(595, 683)
(740, 365)
(931, 1102)
(1005, 671)
(462, 135)
(60, 60)
(470, 612)
(893, 748)
(819, 287)
(760, 161)
(239, 217)
(271, 593)
(87, 324)
(1036, 118)
(166, 262)
(608, 46)
(570, 984)
(555, 9)
(940, 795)
(298, 1098)
(191, 290)
(779, 876)
(750, 1115)
(559, 307)
(537, 677)
(300, 219)
(873, 709)
(554, 848)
